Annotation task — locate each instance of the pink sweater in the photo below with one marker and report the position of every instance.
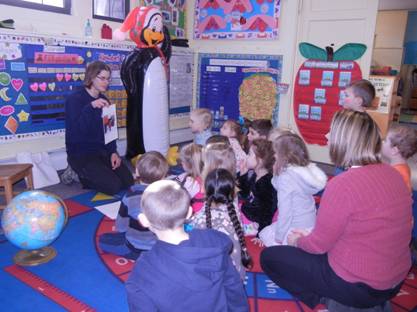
(364, 224)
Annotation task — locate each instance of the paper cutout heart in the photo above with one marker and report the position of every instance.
(75, 76)
(42, 86)
(68, 77)
(51, 86)
(59, 77)
(17, 84)
(34, 87)
(82, 76)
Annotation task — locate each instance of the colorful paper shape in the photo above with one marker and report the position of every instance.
(4, 79)
(17, 84)
(59, 77)
(21, 100)
(11, 124)
(101, 196)
(6, 110)
(23, 116)
(3, 94)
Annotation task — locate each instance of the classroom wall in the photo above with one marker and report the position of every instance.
(48, 23)
(285, 45)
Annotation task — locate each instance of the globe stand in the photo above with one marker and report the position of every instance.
(34, 257)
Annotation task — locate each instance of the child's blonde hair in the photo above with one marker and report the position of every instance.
(277, 132)
(365, 90)
(151, 167)
(218, 155)
(165, 204)
(289, 149)
(204, 115)
(354, 139)
(404, 139)
(191, 157)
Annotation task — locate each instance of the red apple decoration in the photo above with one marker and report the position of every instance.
(318, 86)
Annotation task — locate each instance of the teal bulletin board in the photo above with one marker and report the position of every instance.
(38, 73)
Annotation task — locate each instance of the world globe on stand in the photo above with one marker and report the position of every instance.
(32, 221)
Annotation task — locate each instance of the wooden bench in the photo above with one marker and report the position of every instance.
(12, 173)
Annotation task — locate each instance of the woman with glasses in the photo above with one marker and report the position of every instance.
(97, 164)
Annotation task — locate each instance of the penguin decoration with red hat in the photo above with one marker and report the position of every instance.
(144, 73)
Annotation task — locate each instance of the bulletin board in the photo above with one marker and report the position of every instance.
(236, 19)
(38, 73)
(319, 94)
(234, 85)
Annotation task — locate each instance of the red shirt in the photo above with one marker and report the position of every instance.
(364, 224)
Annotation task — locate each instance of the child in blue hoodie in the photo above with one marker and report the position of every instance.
(183, 271)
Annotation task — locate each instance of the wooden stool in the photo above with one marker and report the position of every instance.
(12, 173)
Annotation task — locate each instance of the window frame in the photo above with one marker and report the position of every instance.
(41, 7)
(109, 18)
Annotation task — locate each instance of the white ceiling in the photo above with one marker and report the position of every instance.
(397, 5)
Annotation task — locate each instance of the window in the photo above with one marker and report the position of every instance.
(57, 6)
(111, 10)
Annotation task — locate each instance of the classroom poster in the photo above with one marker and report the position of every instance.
(36, 76)
(236, 19)
(234, 85)
(384, 89)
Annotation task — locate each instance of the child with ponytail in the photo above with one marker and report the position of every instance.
(220, 214)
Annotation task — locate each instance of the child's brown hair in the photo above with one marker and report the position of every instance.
(262, 126)
(365, 90)
(263, 150)
(151, 167)
(237, 129)
(290, 149)
(404, 139)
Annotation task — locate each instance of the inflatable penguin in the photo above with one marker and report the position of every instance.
(144, 73)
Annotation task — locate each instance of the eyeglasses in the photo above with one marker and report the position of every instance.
(104, 78)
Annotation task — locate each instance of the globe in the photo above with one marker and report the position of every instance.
(33, 220)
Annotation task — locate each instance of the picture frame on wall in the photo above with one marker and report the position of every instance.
(111, 10)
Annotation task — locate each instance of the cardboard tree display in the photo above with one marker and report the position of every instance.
(319, 85)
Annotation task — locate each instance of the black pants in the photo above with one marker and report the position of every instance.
(309, 278)
(95, 172)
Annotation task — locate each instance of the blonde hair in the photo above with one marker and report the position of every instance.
(191, 157)
(277, 132)
(165, 203)
(205, 116)
(404, 139)
(151, 167)
(354, 139)
(218, 155)
(289, 149)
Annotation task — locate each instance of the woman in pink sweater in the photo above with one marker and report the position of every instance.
(357, 255)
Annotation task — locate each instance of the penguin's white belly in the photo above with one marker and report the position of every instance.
(155, 109)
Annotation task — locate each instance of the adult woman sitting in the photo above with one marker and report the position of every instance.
(357, 255)
(97, 164)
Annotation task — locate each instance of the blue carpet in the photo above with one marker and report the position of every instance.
(76, 270)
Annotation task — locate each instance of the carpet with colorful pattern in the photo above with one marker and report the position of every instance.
(83, 278)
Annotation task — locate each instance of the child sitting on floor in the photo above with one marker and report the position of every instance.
(183, 271)
(132, 238)
(231, 129)
(218, 155)
(220, 213)
(399, 145)
(192, 163)
(296, 180)
(200, 124)
(358, 96)
(259, 129)
(259, 201)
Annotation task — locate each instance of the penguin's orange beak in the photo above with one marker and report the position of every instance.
(152, 38)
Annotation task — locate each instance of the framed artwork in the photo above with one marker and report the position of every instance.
(236, 19)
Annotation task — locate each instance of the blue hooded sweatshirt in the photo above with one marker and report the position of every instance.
(196, 275)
